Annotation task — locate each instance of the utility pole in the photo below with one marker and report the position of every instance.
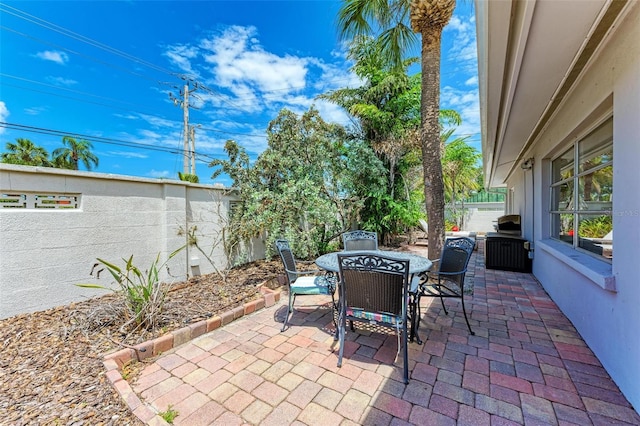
(192, 155)
(188, 132)
(185, 109)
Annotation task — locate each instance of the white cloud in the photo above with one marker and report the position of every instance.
(61, 81)
(127, 154)
(464, 49)
(54, 56)
(159, 121)
(253, 144)
(4, 113)
(227, 124)
(472, 81)
(333, 113)
(181, 55)
(163, 132)
(461, 58)
(126, 116)
(159, 173)
(34, 110)
(238, 58)
(467, 105)
(163, 137)
(247, 86)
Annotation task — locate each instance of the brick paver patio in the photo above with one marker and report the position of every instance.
(526, 365)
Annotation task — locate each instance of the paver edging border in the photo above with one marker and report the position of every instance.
(114, 361)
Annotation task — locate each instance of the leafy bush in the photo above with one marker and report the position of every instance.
(143, 293)
(308, 186)
(597, 227)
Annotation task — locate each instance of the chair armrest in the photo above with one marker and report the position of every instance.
(303, 272)
(431, 272)
(314, 272)
(464, 271)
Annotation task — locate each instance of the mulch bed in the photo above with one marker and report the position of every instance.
(51, 370)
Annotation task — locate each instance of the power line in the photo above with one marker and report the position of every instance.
(57, 46)
(71, 34)
(66, 89)
(98, 139)
(152, 115)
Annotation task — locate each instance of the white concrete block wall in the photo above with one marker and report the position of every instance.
(482, 221)
(45, 252)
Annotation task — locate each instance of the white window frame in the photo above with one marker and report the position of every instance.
(574, 209)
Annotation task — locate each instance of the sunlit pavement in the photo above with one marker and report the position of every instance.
(526, 364)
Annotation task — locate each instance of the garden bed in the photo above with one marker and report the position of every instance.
(51, 362)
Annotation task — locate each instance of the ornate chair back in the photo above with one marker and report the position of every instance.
(374, 289)
(360, 240)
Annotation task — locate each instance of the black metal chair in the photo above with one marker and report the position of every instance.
(374, 290)
(302, 282)
(360, 240)
(448, 280)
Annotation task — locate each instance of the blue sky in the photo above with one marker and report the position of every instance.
(106, 70)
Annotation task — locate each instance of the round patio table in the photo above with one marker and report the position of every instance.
(417, 265)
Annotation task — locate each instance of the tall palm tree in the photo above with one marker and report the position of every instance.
(26, 153)
(74, 152)
(427, 17)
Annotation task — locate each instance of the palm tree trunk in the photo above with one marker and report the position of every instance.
(430, 138)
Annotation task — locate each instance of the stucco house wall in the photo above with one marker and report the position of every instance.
(601, 299)
(45, 252)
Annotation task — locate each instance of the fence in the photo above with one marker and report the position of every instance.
(495, 196)
(55, 223)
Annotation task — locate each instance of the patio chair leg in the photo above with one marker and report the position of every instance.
(464, 311)
(399, 342)
(292, 299)
(405, 355)
(341, 333)
(414, 311)
(442, 299)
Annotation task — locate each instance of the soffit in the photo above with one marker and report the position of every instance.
(527, 62)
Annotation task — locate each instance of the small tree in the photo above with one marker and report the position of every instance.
(308, 186)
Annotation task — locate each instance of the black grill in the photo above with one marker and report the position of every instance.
(505, 249)
(507, 253)
(509, 224)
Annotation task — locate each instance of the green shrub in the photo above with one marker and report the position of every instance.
(143, 293)
(597, 227)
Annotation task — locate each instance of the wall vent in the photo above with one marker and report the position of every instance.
(39, 201)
